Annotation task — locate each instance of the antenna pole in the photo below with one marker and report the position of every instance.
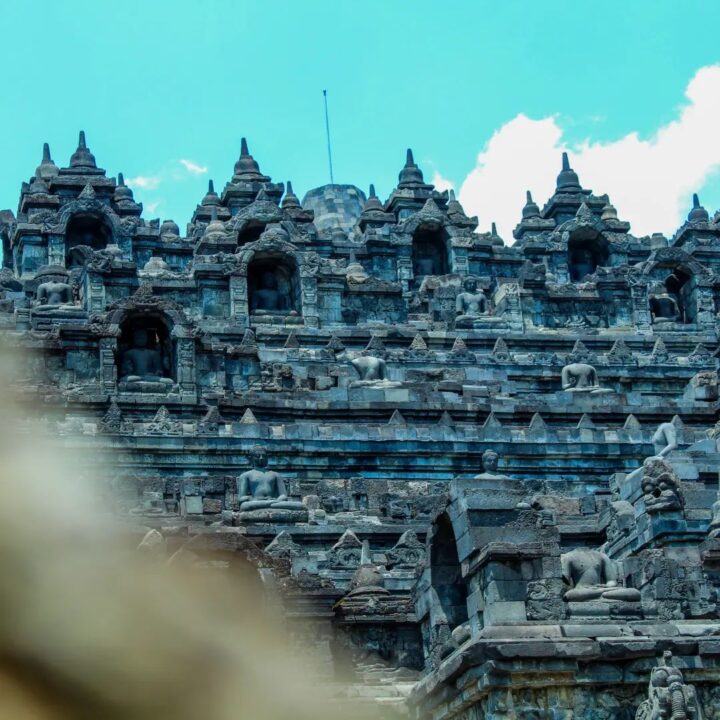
(327, 132)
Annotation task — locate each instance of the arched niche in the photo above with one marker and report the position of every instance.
(146, 355)
(7, 253)
(587, 251)
(251, 232)
(273, 284)
(446, 573)
(679, 285)
(85, 229)
(430, 252)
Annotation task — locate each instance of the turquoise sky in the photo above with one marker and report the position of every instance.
(157, 81)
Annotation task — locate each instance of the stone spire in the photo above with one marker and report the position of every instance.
(698, 212)
(47, 169)
(367, 579)
(495, 239)
(410, 175)
(531, 209)
(211, 197)
(122, 191)
(453, 206)
(567, 180)
(290, 201)
(373, 201)
(215, 228)
(246, 168)
(609, 212)
(82, 157)
(38, 186)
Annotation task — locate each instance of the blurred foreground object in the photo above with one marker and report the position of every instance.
(94, 627)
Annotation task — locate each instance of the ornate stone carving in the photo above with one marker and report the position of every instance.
(163, 423)
(669, 696)
(283, 546)
(408, 551)
(661, 487)
(346, 552)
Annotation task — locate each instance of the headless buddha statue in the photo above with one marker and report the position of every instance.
(592, 575)
(54, 291)
(470, 303)
(663, 306)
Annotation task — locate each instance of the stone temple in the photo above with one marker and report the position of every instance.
(480, 479)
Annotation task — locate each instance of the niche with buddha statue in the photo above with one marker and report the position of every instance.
(587, 251)
(273, 286)
(85, 230)
(145, 356)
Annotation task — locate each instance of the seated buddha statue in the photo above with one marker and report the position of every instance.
(261, 489)
(372, 371)
(579, 376)
(582, 264)
(425, 265)
(141, 366)
(470, 303)
(663, 306)
(267, 298)
(592, 575)
(54, 291)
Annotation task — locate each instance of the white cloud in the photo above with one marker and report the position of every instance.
(192, 167)
(145, 182)
(649, 180)
(442, 183)
(151, 207)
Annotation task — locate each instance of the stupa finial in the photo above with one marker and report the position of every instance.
(410, 175)
(698, 212)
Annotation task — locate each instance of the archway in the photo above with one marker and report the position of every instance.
(446, 573)
(429, 253)
(273, 285)
(587, 251)
(251, 232)
(87, 230)
(146, 356)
